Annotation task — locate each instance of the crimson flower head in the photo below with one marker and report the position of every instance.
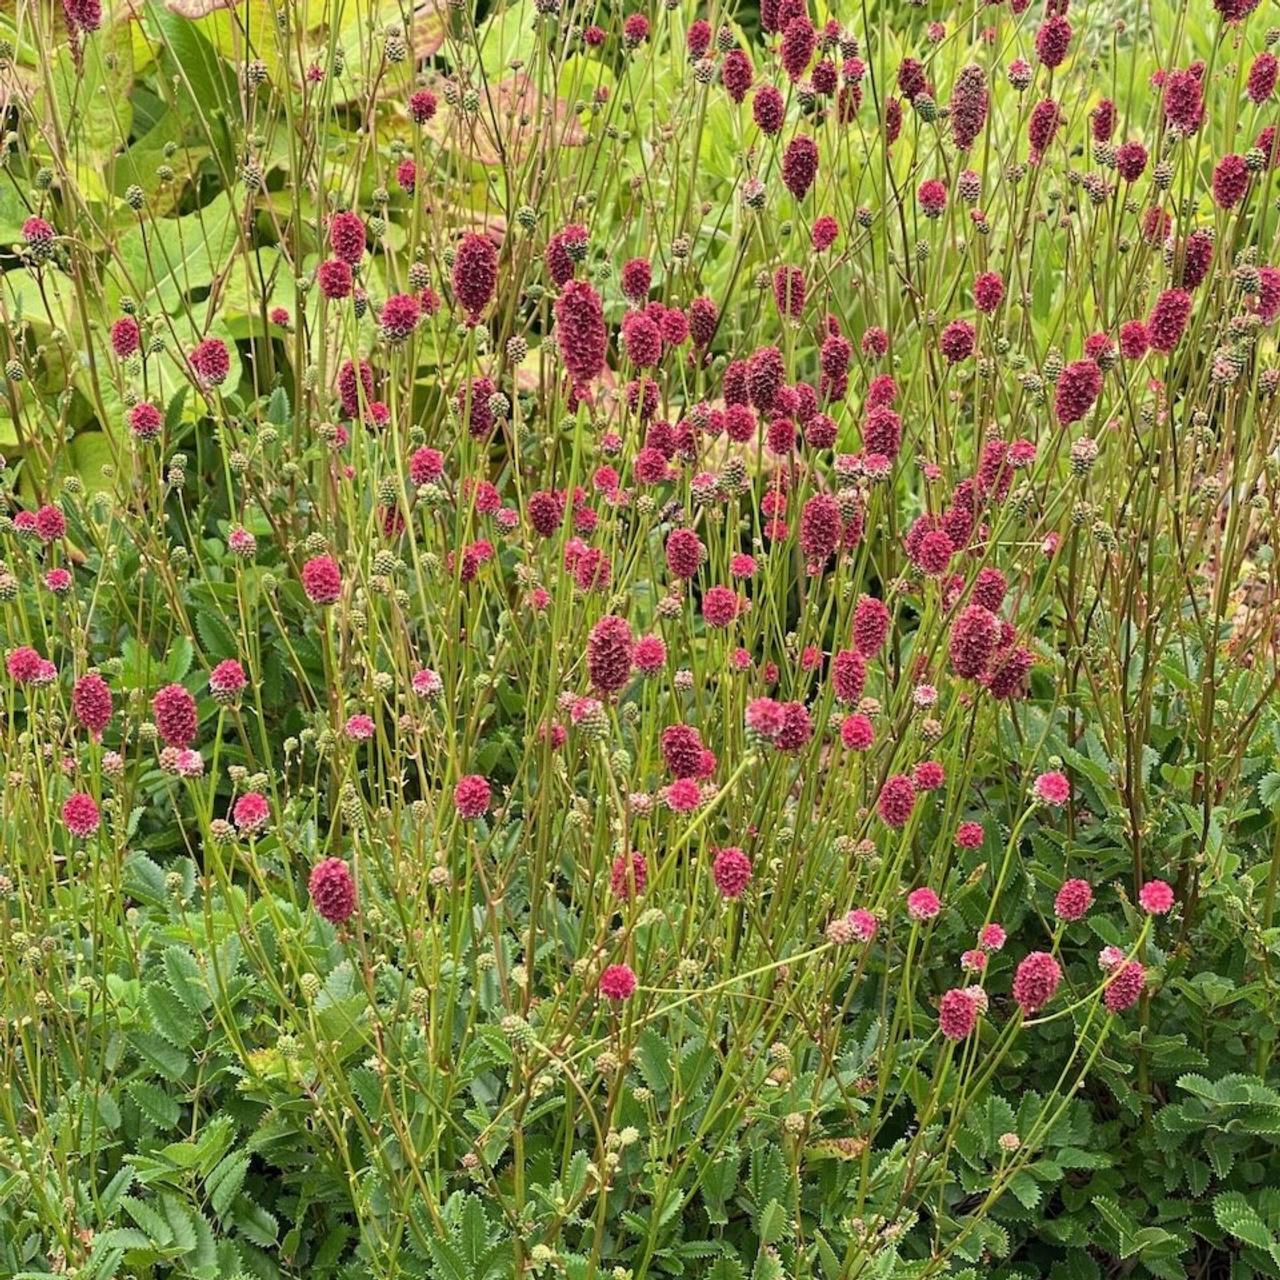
(1036, 981)
(736, 74)
(637, 279)
(422, 106)
(1131, 160)
(1230, 181)
(1052, 40)
(1262, 78)
(1046, 116)
(322, 579)
(332, 890)
(83, 15)
(800, 165)
(1168, 320)
(347, 237)
(580, 332)
(211, 362)
(618, 982)
(635, 30)
(684, 553)
(768, 109)
(933, 197)
(80, 814)
(1183, 101)
(475, 273)
(988, 290)
(799, 40)
(956, 341)
(969, 103)
(824, 232)
(126, 337)
(1078, 388)
(399, 317)
(91, 703)
(335, 278)
(1235, 10)
(175, 715)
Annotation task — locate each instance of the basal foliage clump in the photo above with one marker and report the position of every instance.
(638, 641)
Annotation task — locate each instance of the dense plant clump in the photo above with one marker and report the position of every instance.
(639, 641)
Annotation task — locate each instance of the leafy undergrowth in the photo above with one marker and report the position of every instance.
(638, 642)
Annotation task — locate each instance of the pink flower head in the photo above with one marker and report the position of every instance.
(684, 795)
(80, 814)
(322, 580)
(628, 875)
(617, 982)
(1124, 987)
(862, 924)
(51, 524)
(175, 715)
(1036, 981)
(897, 800)
(359, 728)
(649, 654)
(251, 812)
(1155, 897)
(957, 1014)
(211, 362)
(969, 835)
(719, 606)
(471, 796)
(991, 937)
(928, 775)
(857, 732)
(764, 718)
(227, 680)
(1052, 788)
(923, 904)
(1073, 900)
(427, 684)
(26, 666)
(91, 703)
(731, 871)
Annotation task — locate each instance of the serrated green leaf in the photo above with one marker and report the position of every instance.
(1234, 1214)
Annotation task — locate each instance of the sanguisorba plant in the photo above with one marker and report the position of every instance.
(639, 641)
